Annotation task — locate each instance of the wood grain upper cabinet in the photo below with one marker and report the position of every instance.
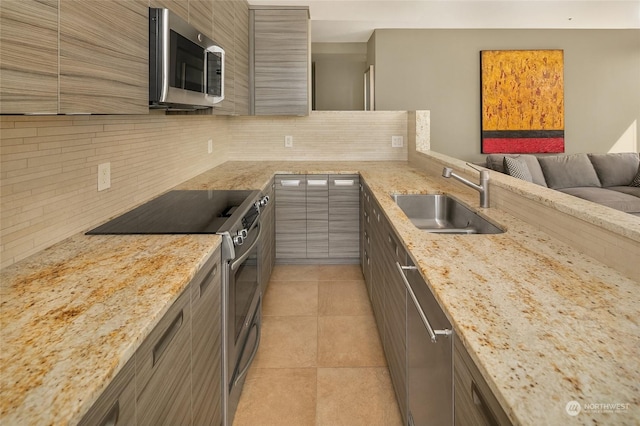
(104, 53)
(279, 60)
(29, 52)
(224, 34)
(201, 16)
(241, 78)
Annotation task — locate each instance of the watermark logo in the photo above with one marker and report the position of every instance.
(573, 408)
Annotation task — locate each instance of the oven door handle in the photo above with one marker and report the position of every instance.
(254, 351)
(246, 254)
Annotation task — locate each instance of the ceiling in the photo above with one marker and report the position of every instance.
(354, 20)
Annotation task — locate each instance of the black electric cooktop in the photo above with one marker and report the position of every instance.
(183, 212)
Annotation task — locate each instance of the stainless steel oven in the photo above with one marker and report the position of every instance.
(242, 319)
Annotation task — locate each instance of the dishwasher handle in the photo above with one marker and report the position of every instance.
(432, 333)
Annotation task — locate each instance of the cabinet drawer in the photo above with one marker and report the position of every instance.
(474, 402)
(116, 405)
(159, 350)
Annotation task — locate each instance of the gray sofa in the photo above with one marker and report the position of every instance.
(612, 180)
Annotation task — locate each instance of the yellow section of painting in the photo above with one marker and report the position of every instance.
(522, 90)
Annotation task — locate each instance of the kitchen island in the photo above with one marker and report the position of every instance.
(544, 323)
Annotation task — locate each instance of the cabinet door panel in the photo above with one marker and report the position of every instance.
(29, 52)
(224, 34)
(281, 62)
(104, 51)
(117, 404)
(206, 361)
(163, 368)
(201, 16)
(344, 216)
(241, 78)
(317, 205)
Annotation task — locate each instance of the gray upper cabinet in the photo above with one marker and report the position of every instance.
(241, 78)
(279, 60)
(74, 56)
(29, 52)
(224, 33)
(104, 55)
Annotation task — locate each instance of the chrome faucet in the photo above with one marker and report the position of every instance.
(482, 188)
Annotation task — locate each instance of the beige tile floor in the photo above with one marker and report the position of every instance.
(320, 361)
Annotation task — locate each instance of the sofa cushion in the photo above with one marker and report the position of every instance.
(636, 180)
(631, 190)
(517, 168)
(606, 197)
(496, 162)
(615, 169)
(568, 171)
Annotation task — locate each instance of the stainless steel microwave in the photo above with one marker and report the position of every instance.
(186, 68)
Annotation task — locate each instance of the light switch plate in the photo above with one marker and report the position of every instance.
(104, 176)
(397, 141)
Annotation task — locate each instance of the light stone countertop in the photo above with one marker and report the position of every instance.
(72, 315)
(544, 323)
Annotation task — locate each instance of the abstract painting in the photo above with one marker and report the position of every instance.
(522, 97)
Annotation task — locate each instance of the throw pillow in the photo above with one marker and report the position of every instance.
(636, 180)
(517, 168)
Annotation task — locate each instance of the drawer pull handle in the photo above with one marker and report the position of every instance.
(167, 337)
(317, 182)
(432, 333)
(207, 280)
(290, 182)
(344, 182)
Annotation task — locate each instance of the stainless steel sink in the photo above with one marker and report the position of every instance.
(440, 213)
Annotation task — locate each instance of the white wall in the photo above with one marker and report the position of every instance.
(339, 75)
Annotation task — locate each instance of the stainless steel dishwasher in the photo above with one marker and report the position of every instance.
(429, 354)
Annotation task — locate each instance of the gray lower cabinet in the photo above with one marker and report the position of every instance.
(394, 331)
(174, 378)
(317, 204)
(206, 344)
(344, 216)
(474, 403)
(117, 404)
(291, 216)
(163, 369)
(317, 218)
(388, 297)
(267, 248)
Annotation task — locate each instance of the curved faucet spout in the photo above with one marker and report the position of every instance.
(482, 188)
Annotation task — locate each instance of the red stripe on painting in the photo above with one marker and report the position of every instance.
(522, 145)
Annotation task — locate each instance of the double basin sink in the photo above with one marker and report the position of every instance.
(440, 213)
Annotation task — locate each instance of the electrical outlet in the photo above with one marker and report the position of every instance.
(210, 146)
(104, 176)
(397, 141)
(288, 141)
